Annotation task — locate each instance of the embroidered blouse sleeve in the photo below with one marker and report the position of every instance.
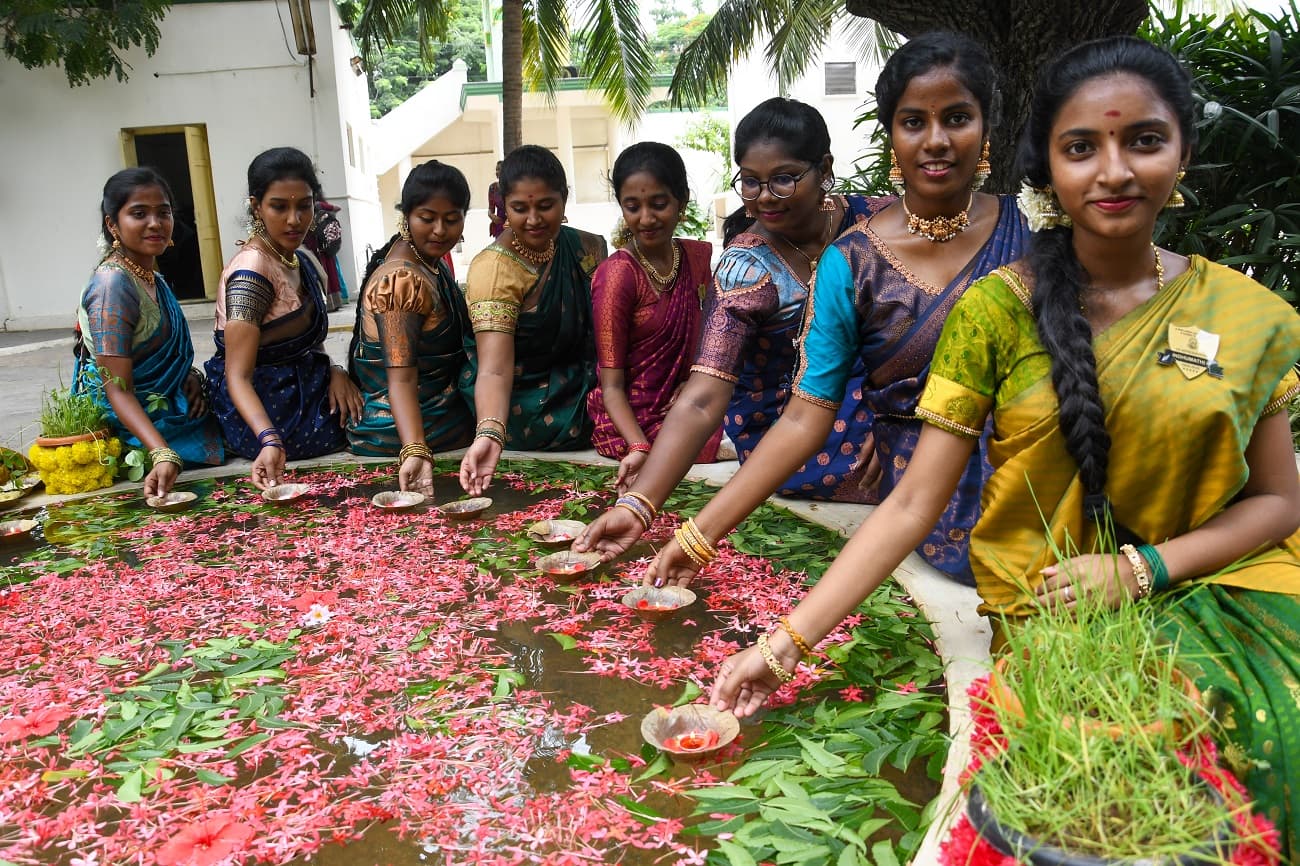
(963, 376)
(494, 290)
(613, 301)
(830, 328)
(112, 309)
(740, 300)
(249, 296)
(403, 304)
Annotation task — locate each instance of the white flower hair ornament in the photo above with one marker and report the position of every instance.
(1041, 208)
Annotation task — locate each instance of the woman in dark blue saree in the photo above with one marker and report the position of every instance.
(274, 389)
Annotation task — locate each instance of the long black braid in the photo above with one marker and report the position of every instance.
(376, 259)
(1059, 278)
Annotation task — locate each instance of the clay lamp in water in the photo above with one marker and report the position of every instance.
(397, 500)
(14, 531)
(466, 509)
(656, 603)
(177, 500)
(689, 733)
(567, 565)
(555, 533)
(283, 493)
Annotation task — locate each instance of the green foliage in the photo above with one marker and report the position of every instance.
(1293, 411)
(671, 37)
(1243, 186)
(710, 134)
(870, 174)
(86, 37)
(406, 63)
(695, 222)
(64, 413)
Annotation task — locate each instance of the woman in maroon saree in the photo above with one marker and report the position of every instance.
(646, 300)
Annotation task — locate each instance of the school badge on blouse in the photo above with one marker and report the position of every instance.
(1192, 351)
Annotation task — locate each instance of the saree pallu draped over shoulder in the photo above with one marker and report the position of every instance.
(555, 355)
(291, 377)
(160, 362)
(1184, 379)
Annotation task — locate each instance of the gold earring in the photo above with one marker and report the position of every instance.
(982, 169)
(895, 173)
(171, 243)
(404, 228)
(1176, 199)
(117, 242)
(256, 227)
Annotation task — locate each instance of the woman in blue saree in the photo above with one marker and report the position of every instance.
(273, 387)
(134, 351)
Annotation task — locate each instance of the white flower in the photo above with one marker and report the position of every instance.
(1041, 209)
(317, 614)
(1212, 110)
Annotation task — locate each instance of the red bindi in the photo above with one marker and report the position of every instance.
(1112, 113)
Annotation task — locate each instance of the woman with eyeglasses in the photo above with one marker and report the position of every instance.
(741, 374)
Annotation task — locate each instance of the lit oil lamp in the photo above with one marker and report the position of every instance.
(567, 565)
(689, 733)
(655, 603)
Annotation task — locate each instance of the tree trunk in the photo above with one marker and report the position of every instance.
(512, 74)
(1021, 36)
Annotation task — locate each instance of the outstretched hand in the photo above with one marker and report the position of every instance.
(611, 534)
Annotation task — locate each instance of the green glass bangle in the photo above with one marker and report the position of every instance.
(1156, 562)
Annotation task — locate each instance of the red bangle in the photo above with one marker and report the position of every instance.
(643, 447)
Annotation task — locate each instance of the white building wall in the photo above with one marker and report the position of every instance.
(229, 66)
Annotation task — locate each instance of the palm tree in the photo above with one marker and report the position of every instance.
(536, 36)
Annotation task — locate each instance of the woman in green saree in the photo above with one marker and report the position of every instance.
(532, 359)
(1129, 387)
(408, 344)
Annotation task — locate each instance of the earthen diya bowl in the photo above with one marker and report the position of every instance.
(466, 509)
(14, 531)
(690, 733)
(568, 565)
(657, 603)
(177, 500)
(284, 493)
(555, 533)
(397, 500)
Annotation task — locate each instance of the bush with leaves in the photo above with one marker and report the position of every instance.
(1243, 186)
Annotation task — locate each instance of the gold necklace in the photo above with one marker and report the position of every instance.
(144, 276)
(419, 258)
(290, 263)
(537, 259)
(821, 246)
(664, 280)
(938, 229)
(1160, 278)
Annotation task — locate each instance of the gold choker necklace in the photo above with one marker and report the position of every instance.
(938, 229)
(664, 280)
(537, 259)
(143, 275)
(291, 263)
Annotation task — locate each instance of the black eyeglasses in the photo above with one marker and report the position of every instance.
(780, 185)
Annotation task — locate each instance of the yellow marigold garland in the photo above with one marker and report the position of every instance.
(76, 468)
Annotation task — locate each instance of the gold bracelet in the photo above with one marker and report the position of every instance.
(415, 449)
(799, 642)
(685, 544)
(1140, 573)
(165, 455)
(491, 420)
(765, 650)
(654, 512)
(703, 546)
(639, 515)
(491, 433)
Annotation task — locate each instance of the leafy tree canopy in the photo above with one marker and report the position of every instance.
(404, 65)
(88, 38)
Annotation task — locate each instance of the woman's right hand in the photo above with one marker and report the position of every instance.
(479, 465)
(416, 475)
(268, 468)
(743, 684)
(670, 567)
(611, 534)
(161, 478)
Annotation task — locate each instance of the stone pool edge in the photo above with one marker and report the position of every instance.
(962, 635)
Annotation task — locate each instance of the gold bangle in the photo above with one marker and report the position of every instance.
(765, 650)
(639, 516)
(491, 433)
(165, 455)
(704, 552)
(415, 449)
(703, 546)
(492, 420)
(654, 512)
(684, 543)
(1140, 573)
(799, 642)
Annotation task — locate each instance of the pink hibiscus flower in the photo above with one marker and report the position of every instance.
(205, 842)
(36, 724)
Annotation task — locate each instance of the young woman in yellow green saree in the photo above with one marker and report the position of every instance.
(1128, 386)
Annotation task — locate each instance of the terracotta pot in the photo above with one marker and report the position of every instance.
(1006, 701)
(60, 441)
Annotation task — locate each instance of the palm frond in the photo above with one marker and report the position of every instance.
(546, 43)
(730, 35)
(381, 23)
(798, 42)
(868, 39)
(618, 56)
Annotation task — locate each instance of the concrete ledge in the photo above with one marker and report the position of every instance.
(962, 636)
